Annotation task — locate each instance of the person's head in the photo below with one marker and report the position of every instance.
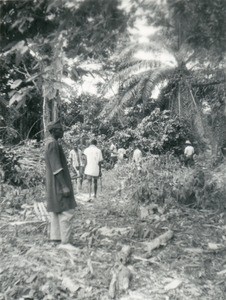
(187, 143)
(56, 130)
(94, 142)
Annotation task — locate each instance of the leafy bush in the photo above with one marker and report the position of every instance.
(157, 133)
(23, 165)
(164, 179)
(9, 163)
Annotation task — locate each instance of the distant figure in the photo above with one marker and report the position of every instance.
(137, 157)
(76, 160)
(60, 196)
(121, 154)
(93, 159)
(114, 153)
(188, 154)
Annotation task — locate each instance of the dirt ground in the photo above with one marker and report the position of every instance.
(190, 265)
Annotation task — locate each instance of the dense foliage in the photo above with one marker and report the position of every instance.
(44, 42)
(177, 58)
(166, 182)
(158, 93)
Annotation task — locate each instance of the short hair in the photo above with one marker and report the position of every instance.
(94, 142)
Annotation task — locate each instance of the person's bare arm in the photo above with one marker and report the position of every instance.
(85, 159)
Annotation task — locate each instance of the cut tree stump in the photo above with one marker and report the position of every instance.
(124, 278)
(121, 276)
(124, 254)
(120, 281)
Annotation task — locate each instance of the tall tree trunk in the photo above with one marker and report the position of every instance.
(55, 107)
(45, 112)
(179, 100)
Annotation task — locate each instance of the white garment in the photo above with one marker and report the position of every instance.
(61, 226)
(113, 150)
(137, 156)
(73, 157)
(189, 151)
(93, 156)
(121, 153)
(76, 158)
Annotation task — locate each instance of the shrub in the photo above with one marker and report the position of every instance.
(164, 178)
(23, 165)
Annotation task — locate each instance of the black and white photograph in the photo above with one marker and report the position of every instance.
(112, 149)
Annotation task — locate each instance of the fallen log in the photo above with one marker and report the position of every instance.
(159, 241)
(112, 288)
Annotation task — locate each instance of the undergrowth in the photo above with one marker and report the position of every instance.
(164, 179)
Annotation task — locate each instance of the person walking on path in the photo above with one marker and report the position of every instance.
(114, 153)
(137, 157)
(76, 161)
(93, 161)
(188, 154)
(121, 155)
(60, 196)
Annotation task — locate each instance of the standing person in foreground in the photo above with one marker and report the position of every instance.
(60, 196)
(137, 157)
(93, 159)
(189, 153)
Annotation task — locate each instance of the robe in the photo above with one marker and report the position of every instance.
(56, 162)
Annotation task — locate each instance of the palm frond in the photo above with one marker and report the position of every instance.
(135, 78)
(137, 67)
(136, 87)
(155, 78)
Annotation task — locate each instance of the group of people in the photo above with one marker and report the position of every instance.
(118, 155)
(61, 202)
(87, 164)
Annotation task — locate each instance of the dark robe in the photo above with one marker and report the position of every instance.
(55, 162)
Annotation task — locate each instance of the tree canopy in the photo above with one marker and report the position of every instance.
(166, 54)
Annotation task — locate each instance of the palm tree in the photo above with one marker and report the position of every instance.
(138, 76)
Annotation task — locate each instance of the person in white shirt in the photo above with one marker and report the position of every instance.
(93, 159)
(121, 154)
(189, 153)
(137, 157)
(76, 160)
(114, 154)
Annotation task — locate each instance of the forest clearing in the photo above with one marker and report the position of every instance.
(126, 97)
(191, 265)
